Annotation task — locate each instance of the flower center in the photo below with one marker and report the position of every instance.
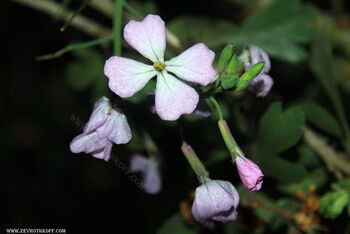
(159, 66)
(109, 110)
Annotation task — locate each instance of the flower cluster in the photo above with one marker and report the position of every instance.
(215, 200)
(105, 127)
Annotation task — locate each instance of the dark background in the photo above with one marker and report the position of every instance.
(43, 184)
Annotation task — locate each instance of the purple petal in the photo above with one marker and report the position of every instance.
(173, 97)
(215, 201)
(127, 76)
(262, 85)
(152, 182)
(138, 163)
(87, 142)
(194, 64)
(250, 173)
(116, 128)
(258, 55)
(105, 153)
(99, 114)
(147, 37)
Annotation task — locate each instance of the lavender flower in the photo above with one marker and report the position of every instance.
(215, 200)
(263, 83)
(149, 168)
(250, 173)
(105, 127)
(173, 97)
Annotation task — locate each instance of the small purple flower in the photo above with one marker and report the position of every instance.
(250, 173)
(215, 200)
(263, 83)
(172, 97)
(149, 169)
(105, 127)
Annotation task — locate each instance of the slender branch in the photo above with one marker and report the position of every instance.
(335, 161)
(80, 22)
(74, 46)
(117, 24)
(71, 18)
(217, 106)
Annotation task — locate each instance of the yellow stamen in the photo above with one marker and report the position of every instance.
(159, 66)
(109, 110)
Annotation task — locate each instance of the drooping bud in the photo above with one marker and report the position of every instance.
(215, 200)
(250, 173)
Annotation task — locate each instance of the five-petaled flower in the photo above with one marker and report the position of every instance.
(150, 172)
(250, 173)
(215, 200)
(172, 97)
(263, 83)
(105, 127)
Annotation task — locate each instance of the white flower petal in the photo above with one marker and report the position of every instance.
(87, 143)
(173, 97)
(147, 37)
(194, 64)
(116, 128)
(104, 153)
(99, 114)
(127, 76)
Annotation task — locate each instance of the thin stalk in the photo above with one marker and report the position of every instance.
(117, 24)
(218, 108)
(73, 46)
(230, 142)
(196, 164)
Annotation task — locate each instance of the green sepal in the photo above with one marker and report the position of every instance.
(232, 65)
(225, 57)
(249, 75)
(228, 81)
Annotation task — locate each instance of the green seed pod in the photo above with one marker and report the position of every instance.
(225, 57)
(232, 65)
(249, 75)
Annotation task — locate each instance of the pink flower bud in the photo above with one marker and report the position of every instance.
(215, 200)
(250, 173)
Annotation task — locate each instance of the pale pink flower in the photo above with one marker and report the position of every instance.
(172, 97)
(263, 83)
(215, 200)
(150, 172)
(250, 173)
(105, 127)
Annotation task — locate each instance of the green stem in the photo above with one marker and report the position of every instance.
(196, 164)
(216, 104)
(133, 11)
(74, 46)
(117, 23)
(80, 9)
(230, 142)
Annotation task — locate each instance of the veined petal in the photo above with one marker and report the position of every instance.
(116, 128)
(147, 37)
(104, 153)
(173, 97)
(127, 76)
(194, 64)
(87, 143)
(99, 114)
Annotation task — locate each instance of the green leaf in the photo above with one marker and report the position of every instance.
(333, 203)
(278, 131)
(175, 225)
(307, 156)
(279, 29)
(321, 118)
